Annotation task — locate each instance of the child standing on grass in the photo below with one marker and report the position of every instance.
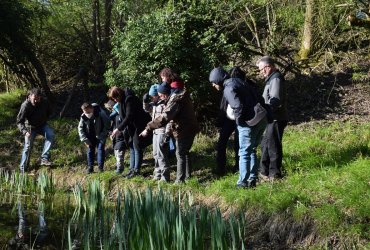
(155, 106)
(119, 140)
(93, 130)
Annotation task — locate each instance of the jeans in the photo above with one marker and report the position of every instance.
(228, 127)
(100, 145)
(45, 131)
(272, 149)
(183, 146)
(249, 138)
(136, 158)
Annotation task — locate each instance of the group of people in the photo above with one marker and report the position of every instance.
(166, 113)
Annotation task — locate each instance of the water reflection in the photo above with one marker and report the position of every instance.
(29, 235)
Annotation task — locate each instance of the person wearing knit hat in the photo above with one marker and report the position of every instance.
(164, 89)
(160, 151)
(180, 112)
(153, 90)
(242, 99)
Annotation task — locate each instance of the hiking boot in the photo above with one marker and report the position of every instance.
(45, 162)
(241, 186)
(119, 171)
(132, 174)
(251, 184)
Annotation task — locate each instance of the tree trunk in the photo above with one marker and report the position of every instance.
(306, 47)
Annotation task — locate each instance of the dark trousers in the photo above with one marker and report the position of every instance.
(272, 149)
(100, 146)
(228, 127)
(183, 146)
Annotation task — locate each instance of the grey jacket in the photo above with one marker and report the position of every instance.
(155, 110)
(33, 117)
(99, 121)
(274, 94)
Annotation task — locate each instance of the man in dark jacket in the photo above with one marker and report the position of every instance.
(274, 95)
(242, 99)
(31, 121)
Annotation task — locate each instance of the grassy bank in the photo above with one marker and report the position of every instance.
(323, 201)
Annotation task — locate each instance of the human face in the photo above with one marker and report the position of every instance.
(88, 112)
(264, 69)
(154, 98)
(34, 99)
(216, 86)
(165, 78)
(162, 96)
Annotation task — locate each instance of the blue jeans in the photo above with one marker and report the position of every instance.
(45, 131)
(136, 158)
(100, 145)
(249, 138)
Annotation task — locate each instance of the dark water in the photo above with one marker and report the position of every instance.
(29, 223)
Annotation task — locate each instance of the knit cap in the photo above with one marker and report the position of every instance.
(164, 89)
(153, 91)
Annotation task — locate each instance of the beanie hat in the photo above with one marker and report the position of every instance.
(164, 89)
(218, 75)
(153, 91)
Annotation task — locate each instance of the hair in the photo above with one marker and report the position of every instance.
(266, 60)
(116, 93)
(86, 105)
(170, 74)
(236, 72)
(35, 91)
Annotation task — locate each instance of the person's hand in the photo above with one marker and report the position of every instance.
(114, 132)
(87, 144)
(146, 98)
(165, 141)
(28, 134)
(144, 133)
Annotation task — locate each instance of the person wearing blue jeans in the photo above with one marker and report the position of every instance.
(249, 138)
(93, 131)
(31, 121)
(45, 131)
(242, 100)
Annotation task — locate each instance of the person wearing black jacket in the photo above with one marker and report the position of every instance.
(31, 121)
(242, 99)
(134, 119)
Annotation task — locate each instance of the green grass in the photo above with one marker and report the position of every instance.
(325, 190)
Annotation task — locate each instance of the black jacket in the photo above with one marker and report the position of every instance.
(33, 117)
(133, 118)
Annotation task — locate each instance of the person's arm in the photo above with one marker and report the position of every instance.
(168, 114)
(274, 93)
(21, 119)
(82, 133)
(234, 99)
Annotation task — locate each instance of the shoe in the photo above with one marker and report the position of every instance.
(45, 162)
(263, 178)
(119, 171)
(89, 170)
(179, 182)
(132, 175)
(251, 184)
(241, 186)
(101, 170)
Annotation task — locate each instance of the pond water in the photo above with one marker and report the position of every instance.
(34, 216)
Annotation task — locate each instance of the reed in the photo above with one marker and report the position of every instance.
(151, 220)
